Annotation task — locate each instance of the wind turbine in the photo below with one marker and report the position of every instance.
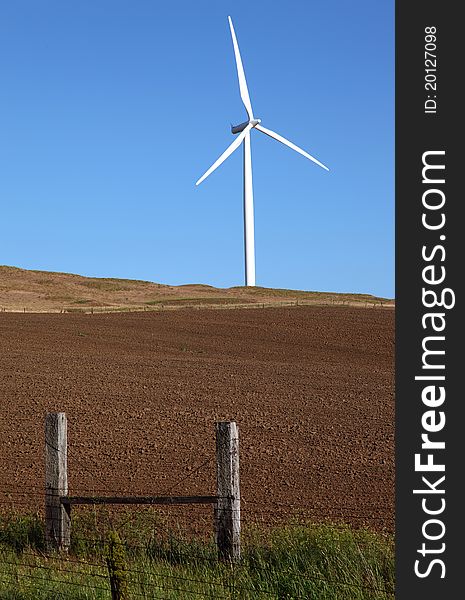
(244, 130)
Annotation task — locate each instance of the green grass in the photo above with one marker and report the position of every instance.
(18, 532)
(313, 561)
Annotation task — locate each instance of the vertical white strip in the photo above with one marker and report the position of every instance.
(249, 236)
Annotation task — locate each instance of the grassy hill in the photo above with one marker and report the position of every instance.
(45, 291)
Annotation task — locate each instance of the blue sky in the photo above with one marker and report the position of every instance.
(110, 110)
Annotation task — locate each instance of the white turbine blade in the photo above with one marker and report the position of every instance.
(240, 73)
(280, 138)
(229, 150)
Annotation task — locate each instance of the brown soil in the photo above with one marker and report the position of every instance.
(310, 387)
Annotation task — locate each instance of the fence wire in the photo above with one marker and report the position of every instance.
(35, 568)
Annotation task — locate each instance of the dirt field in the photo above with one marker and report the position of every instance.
(310, 387)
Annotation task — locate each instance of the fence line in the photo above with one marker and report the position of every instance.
(137, 571)
(229, 518)
(227, 584)
(91, 310)
(251, 513)
(58, 502)
(180, 578)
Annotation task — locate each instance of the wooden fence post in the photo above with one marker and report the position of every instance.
(228, 508)
(57, 516)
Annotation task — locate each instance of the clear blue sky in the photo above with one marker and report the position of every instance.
(110, 110)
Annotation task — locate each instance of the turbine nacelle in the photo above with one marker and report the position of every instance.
(238, 128)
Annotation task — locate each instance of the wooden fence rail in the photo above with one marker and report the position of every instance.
(163, 500)
(58, 501)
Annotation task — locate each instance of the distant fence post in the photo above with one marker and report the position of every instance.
(228, 508)
(57, 516)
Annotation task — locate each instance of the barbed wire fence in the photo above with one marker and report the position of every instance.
(177, 558)
(203, 304)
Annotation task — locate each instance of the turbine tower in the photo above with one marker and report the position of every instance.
(244, 130)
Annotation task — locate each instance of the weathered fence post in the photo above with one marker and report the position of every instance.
(57, 516)
(117, 567)
(228, 508)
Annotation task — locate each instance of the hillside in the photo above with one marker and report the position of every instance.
(44, 291)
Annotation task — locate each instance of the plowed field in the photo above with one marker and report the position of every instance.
(311, 389)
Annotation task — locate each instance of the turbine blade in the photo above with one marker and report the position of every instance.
(240, 73)
(229, 150)
(280, 138)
